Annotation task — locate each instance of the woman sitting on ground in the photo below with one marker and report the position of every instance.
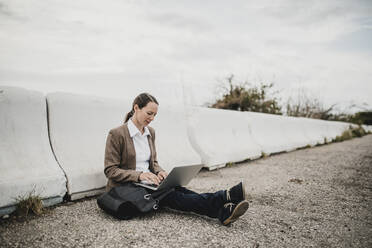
(130, 156)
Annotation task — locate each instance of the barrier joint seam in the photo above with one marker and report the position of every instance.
(51, 147)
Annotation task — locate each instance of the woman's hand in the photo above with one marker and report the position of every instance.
(150, 177)
(162, 175)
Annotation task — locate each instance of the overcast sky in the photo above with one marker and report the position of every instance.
(119, 48)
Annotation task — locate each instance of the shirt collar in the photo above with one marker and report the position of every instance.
(133, 130)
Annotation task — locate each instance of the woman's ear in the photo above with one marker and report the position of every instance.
(136, 108)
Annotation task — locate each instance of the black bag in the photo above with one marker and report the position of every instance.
(129, 200)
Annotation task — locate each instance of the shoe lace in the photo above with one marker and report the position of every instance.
(229, 204)
(228, 195)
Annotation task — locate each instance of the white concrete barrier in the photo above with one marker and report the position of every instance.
(367, 128)
(172, 140)
(331, 131)
(353, 125)
(78, 126)
(314, 130)
(221, 136)
(336, 128)
(27, 163)
(293, 130)
(78, 129)
(269, 132)
(324, 129)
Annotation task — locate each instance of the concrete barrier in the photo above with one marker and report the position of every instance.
(352, 125)
(269, 132)
(78, 129)
(27, 163)
(331, 131)
(221, 136)
(293, 130)
(172, 139)
(78, 126)
(367, 128)
(323, 126)
(336, 128)
(314, 130)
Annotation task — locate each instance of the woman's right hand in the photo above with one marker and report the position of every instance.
(148, 176)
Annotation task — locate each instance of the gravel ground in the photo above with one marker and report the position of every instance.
(317, 197)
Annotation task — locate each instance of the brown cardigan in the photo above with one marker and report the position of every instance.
(120, 157)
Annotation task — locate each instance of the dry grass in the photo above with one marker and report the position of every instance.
(351, 133)
(29, 203)
(230, 164)
(264, 155)
(358, 132)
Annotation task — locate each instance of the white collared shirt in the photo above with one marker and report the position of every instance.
(141, 146)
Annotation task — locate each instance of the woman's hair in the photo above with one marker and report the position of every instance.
(141, 100)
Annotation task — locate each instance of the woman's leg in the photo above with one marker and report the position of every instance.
(183, 199)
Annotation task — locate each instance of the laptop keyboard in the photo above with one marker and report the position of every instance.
(150, 184)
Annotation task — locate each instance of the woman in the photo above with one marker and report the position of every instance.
(130, 156)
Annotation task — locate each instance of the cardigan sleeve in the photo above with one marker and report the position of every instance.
(113, 158)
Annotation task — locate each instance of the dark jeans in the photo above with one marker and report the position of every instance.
(209, 204)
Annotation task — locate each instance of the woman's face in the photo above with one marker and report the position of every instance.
(147, 114)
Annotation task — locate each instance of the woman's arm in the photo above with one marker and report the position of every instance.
(113, 158)
(156, 166)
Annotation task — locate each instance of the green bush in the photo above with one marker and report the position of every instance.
(364, 117)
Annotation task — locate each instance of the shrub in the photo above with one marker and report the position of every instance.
(352, 132)
(29, 203)
(245, 97)
(346, 135)
(358, 132)
(364, 117)
(303, 104)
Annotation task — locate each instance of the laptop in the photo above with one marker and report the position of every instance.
(179, 176)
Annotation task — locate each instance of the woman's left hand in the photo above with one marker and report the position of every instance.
(162, 175)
